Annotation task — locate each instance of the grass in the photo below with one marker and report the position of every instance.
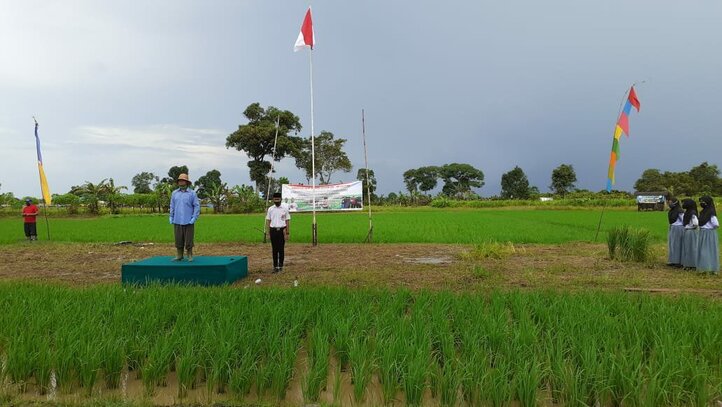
(629, 244)
(423, 225)
(585, 348)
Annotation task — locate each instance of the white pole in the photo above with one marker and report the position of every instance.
(313, 155)
(369, 237)
(268, 178)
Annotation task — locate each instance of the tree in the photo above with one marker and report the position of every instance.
(423, 178)
(563, 179)
(329, 154)
(92, 194)
(141, 182)
(706, 178)
(205, 183)
(411, 181)
(174, 172)
(428, 178)
(651, 181)
(361, 176)
(515, 184)
(256, 138)
(217, 194)
(111, 193)
(459, 179)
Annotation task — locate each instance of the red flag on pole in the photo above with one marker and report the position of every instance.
(632, 98)
(305, 37)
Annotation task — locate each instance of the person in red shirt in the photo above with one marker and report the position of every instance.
(30, 214)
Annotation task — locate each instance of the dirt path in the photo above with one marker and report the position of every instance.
(413, 266)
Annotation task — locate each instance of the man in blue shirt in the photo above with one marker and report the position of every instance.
(184, 211)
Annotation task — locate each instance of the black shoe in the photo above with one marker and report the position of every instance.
(280, 269)
(276, 270)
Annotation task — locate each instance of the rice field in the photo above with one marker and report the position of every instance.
(402, 348)
(399, 226)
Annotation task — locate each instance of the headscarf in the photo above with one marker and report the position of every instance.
(708, 210)
(674, 210)
(690, 209)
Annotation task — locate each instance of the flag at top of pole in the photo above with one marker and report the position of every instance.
(44, 188)
(306, 38)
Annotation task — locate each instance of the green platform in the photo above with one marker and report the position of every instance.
(204, 270)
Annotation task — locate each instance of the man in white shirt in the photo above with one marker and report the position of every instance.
(278, 224)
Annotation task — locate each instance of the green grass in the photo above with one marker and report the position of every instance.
(587, 348)
(424, 225)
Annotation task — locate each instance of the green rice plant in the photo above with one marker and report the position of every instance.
(187, 367)
(361, 356)
(113, 362)
(88, 362)
(390, 361)
(283, 362)
(21, 359)
(319, 347)
(499, 384)
(44, 366)
(629, 244)
(415, 374)
(156, 368)
(527, 380)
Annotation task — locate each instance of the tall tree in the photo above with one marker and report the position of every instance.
(706, 178)
(141, 182)
(370, 182)
(256, 138)
(92, 194)
(515, 184)
(563, 179)
(112, 195)
(651, 180)
(428, 177)
(460, 178)
(204, 184)
(329, 153)
(174, 172)
(411, 181)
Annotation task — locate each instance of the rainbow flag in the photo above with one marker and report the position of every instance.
(43, 181)
(621, 127)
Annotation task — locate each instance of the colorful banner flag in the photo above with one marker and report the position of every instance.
(621, 127)
(43, 180)
(306, 38)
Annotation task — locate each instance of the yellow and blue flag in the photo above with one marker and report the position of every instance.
(43, 180)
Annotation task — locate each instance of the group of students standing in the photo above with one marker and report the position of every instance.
(693, 242)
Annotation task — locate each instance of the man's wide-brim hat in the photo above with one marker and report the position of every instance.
(183, 177)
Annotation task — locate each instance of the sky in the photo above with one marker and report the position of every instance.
(124, 87)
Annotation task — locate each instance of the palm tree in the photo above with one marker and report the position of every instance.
(112, 193)
(92, 194)
(218, 195)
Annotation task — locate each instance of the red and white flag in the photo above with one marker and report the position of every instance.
(305, 37)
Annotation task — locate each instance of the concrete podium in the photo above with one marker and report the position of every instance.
(203, 270)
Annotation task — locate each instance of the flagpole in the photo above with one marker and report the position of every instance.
(268, 178)
(45, 208)
(314, 228)
(370, 235)
(621, 104)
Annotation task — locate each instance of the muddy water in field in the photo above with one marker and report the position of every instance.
(132, 389)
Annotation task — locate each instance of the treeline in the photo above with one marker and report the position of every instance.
(703, 179)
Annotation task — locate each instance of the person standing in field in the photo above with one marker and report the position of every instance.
(708, 259)
(30, 215)
(690, 236)
(278, 224)
(184, 211)
(676, 233)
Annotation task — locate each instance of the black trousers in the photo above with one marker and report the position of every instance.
(31, 230)
(183, 236)
(278, 243)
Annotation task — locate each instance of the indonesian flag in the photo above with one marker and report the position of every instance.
(305, 37)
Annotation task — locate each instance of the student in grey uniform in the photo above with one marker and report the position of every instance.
(708, 259)
(690, 237)
(676, 232)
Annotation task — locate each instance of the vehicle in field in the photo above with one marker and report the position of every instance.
(651, 201)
